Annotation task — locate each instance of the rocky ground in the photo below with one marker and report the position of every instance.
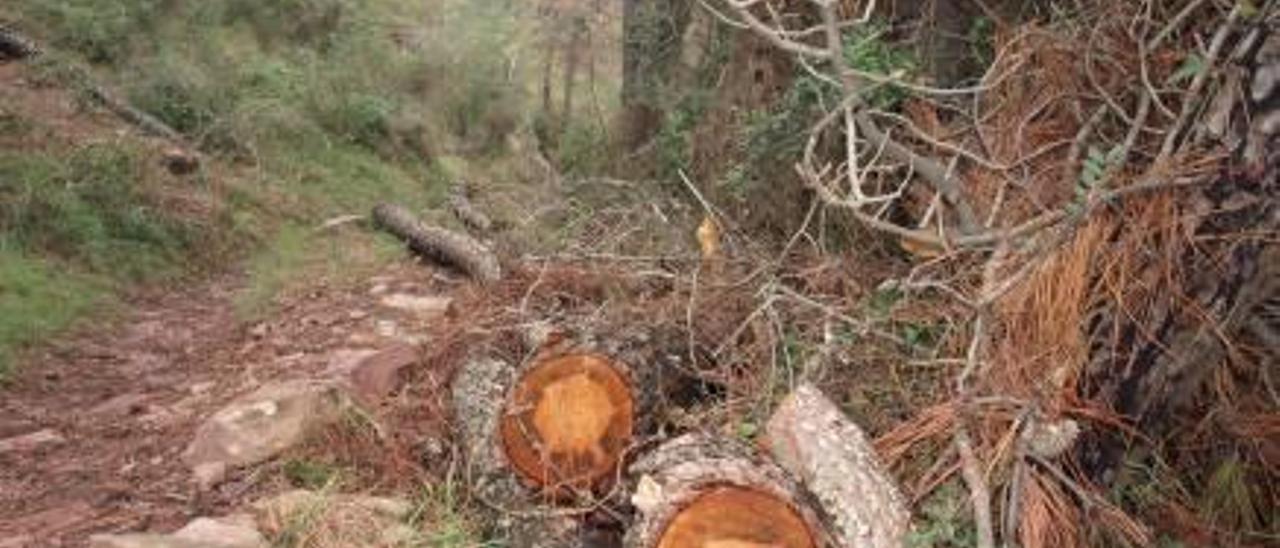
(105, 430)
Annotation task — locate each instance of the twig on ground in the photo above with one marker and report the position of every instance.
(1192, 97)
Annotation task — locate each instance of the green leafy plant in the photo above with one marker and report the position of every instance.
(867, 50)
(88, 207)
(309, 474)
(944, 520)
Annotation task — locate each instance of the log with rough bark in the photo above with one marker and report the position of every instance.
(697, 491)
(466, 211)
(147, 123)
(452, 248)
(811, 438)
(561, 423)
(13, 45)
(569, 419)
(557, 429)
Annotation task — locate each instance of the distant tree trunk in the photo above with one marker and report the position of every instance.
(544, 129)
(653, 32)
(572, 59)
(592, 84)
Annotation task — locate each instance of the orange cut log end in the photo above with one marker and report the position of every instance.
(568, 422)
(737, 517)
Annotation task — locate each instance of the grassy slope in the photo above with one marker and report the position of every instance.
(309, 107)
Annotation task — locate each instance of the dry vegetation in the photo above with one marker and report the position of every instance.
(1034, 287)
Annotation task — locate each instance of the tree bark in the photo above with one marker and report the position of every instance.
(572, 59)
(812, 439)
(460, 250)
(557, 402)
(13, 45)
(704, 491)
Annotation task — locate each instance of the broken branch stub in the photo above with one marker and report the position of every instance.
(699, 490)
(460, 250)
(810, 438)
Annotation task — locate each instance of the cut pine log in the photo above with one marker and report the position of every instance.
(557, 428)
(452, 248)
(568, 422)
(553, 432)
(810, 438)
(697, 491)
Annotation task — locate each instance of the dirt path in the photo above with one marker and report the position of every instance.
(113, 408)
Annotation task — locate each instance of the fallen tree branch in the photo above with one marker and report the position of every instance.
(1192, 99)
(460, 250)
(13, 45)
(466, 212)
(139, 119)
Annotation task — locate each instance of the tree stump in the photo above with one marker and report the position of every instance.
(698, 491)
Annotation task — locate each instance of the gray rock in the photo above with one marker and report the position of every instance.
(378, 375)
(424, 307)
(236, 531)
(260, 425)
(31, 442)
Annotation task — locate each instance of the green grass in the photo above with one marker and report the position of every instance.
(312, 103)
(446, 519)
(76, 225)
(88, 206)
(38, 299)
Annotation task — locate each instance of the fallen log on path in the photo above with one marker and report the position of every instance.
(459, 250)
(147, 123)
(13, 45)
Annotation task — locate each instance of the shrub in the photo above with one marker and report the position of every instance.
(101, 30)
(583, 149)
(86, 207)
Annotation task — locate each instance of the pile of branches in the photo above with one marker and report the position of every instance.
(1095, 218)
(1100, 209)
